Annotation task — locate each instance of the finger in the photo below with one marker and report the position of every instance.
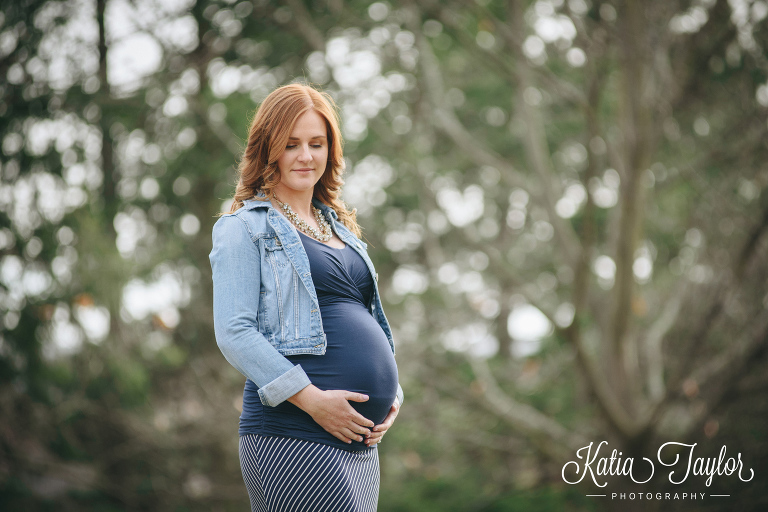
(356, 397)
(342, 434)
(358, 429)
(384, 426)
(374, 439)
(388, 421)
(361, 420)
(352, 434)
(339, 436)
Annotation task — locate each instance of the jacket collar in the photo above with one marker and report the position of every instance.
(324, 208)
(250, 204)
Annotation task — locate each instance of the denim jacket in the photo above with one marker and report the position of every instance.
(264, 302)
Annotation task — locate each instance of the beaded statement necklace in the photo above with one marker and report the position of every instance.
(323, 235)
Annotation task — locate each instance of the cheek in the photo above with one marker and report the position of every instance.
(283, 163)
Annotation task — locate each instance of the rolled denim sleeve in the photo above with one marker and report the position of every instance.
(236, 273)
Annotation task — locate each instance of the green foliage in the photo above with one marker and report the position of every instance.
(109, 188)
(543, 500)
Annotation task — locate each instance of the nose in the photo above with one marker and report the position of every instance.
(305, 155)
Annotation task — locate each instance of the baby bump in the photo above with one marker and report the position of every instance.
(358, 358)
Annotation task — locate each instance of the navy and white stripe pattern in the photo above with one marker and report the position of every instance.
(284, 474)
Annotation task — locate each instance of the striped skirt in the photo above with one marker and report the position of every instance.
(284, 474)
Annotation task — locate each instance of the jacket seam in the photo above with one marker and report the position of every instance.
(278, 290)
(296, 302)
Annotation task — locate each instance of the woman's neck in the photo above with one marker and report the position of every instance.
(300, 202)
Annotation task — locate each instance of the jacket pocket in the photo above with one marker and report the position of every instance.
(279, 291)
(275, 252)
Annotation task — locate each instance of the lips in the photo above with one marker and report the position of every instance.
(303, 170)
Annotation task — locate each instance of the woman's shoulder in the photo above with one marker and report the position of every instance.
(251, 218)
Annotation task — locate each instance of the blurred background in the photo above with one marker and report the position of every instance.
(565, 201)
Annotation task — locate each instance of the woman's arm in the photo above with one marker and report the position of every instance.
(236, 267)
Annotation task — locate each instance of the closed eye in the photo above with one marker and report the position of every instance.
(315, 146)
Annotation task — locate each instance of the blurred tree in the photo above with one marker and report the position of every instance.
(564, 200)
(599, 138)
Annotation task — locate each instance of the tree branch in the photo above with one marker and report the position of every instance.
(445, 119)
(525, 418)
(538, 151)
(720, 376)
(514, 40)
(305, 27)
(653, 342)
(637, 137)
(729, 284)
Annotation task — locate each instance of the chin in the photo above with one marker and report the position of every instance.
(300, 187)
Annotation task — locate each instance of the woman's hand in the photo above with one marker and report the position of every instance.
(378, 431)
(331, 410)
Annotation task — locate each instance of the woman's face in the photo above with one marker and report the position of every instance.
(303, 162)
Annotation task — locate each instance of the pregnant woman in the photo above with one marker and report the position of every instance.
(297, 311)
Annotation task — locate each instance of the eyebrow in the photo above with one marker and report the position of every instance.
(311, 138)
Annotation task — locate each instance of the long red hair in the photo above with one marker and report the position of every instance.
(270, 129)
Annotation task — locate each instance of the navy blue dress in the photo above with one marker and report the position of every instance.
(358, 357)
